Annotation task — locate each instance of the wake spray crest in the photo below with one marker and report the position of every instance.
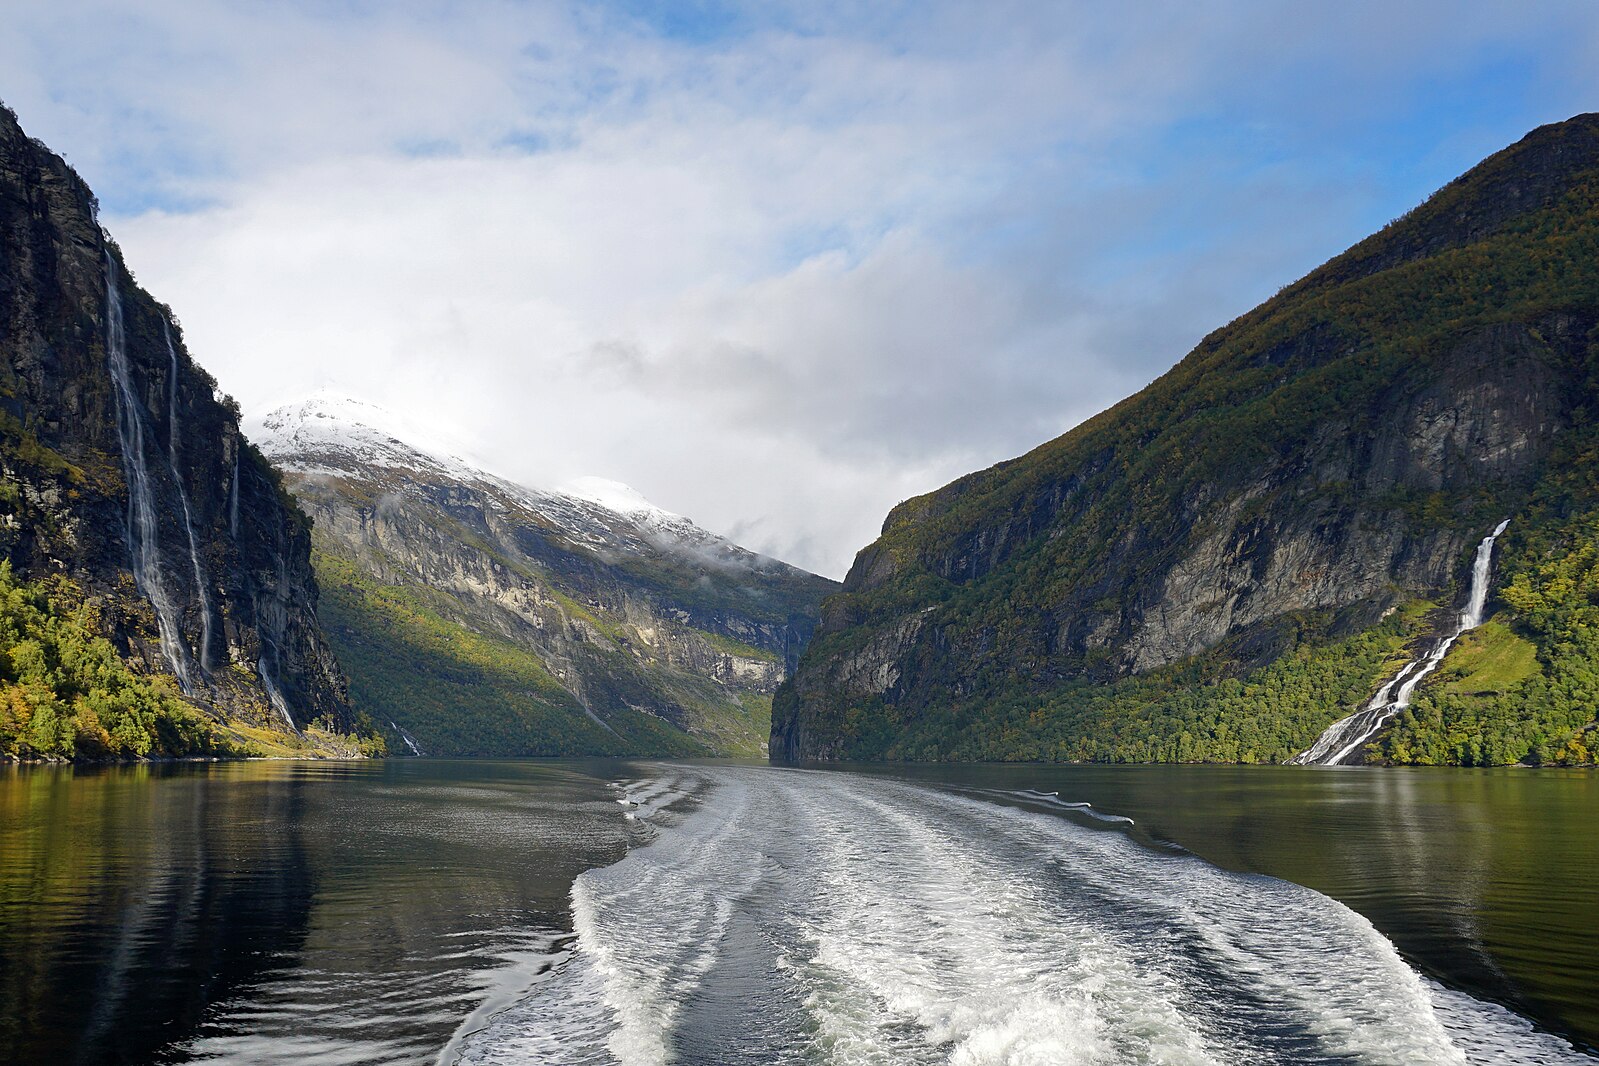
(202, 586)
(1348, 735)
(143, 527)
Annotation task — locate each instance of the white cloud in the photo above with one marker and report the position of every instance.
(778, 273)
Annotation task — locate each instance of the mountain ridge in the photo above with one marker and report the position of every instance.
(628, 629)
(1306, 471)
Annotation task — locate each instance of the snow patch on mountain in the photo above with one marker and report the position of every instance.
(615, 496)
(329, 435)
(326, 432)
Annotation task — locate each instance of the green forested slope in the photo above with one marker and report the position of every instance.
(462, 692)
(1223, 564)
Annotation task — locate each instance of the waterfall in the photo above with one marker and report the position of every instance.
(271, 623)
(172, 396)
(410, 741)
(201, 585)
(233, 501)
(274, 694)
(144, 543)
(1348, 735)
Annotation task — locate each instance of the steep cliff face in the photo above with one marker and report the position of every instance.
(1321, 462)
(484, 617)
(125, 471)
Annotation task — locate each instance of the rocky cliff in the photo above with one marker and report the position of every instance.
(1285, 507)
(126, 474)
(478, 616)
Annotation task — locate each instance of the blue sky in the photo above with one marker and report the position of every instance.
(777, 265)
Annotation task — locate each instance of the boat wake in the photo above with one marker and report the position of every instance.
(784, 916)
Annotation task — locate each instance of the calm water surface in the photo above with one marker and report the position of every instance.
(421, 911)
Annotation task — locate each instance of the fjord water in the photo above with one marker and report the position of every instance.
(426, 911)
(276, 912)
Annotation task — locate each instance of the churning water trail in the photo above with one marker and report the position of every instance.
(786, 916)
(1345, 737)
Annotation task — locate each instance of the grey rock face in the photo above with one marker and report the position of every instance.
(1488, 418)
(246, 580)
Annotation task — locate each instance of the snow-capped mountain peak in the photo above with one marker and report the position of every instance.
(326, 432)
(327, 435)
(615, 496)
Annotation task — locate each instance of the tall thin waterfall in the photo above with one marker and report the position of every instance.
(233, 499)
(271, 622)
(1348, 735)
(201, 584)
(144, 540)
(269, 681)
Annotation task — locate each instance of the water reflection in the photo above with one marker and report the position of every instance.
(354, 913)
(263, 912)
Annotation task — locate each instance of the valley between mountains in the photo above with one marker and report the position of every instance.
(1376, 494)
(476, 616)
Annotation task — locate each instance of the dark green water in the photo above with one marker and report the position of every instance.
(281, 912)
(343, 913)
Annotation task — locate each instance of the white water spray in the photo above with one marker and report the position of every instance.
(1348, 735)
(201, 585)
(144, 545)
(786, 917)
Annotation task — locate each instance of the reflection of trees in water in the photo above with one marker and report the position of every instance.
(270, 912)
(154, 894)
(1439, 843)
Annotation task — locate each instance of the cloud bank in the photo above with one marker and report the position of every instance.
(777, 266)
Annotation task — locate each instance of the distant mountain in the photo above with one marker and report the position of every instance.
(158, 596)
(1222, 565)
(479, 616)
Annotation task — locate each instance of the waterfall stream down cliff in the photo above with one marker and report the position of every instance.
(273, 621)
(201, 584)
(274, 694)
(143, 527)
(233, 497)
(1345, 737)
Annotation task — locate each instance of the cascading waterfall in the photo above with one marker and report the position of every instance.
(410, 741)
(274, 694)
(144, 544)
(233, 501)
(202, 586)
(1348, 735)
(270, 623)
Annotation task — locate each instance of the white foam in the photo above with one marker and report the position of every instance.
(790, 916)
